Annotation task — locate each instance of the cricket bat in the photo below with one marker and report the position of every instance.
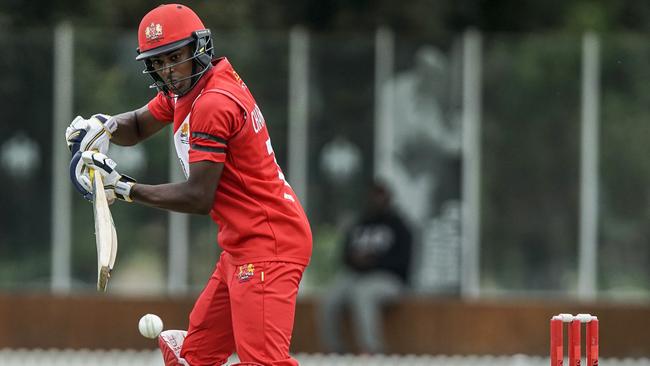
(105, 234)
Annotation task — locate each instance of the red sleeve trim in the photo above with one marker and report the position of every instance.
(207, 136)
(207, 148)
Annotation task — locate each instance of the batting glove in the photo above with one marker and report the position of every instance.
(80, 177)
(93, 133)
(90, 134)
(115, 184)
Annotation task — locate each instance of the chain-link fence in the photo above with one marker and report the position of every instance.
(409, 87)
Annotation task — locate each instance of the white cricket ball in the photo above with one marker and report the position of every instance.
(150, 325)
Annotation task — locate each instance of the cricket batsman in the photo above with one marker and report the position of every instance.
(225, 151)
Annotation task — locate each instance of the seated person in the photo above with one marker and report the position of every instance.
(376, 258)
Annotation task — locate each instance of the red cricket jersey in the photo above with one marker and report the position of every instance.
(258, 214)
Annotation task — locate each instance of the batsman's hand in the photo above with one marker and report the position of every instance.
(115, 184)
(90, 134)
(80, 177)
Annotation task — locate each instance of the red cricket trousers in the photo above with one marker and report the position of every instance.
(244, 308)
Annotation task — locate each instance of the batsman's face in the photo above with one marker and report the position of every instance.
(175, 68)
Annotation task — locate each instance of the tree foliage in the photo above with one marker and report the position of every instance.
(417, 15)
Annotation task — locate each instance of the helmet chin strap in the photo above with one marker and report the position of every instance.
(160, 84)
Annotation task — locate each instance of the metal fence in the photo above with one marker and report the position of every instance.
(548, 133)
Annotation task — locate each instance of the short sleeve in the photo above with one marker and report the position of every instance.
(162, 108)
(215, 119)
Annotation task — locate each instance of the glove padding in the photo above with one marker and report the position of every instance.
(80, 177)
(90, 134)
(115, 184)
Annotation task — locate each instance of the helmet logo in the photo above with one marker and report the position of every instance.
(153, 32)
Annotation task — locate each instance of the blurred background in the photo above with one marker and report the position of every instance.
(513, 136)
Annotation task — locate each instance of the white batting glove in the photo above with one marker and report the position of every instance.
(115, 184)
(80, 178)
(90, 134)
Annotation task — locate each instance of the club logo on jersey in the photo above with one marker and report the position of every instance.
(246, 272)
(258, 119)
(153, 32)
(238, 79)
(185, 133)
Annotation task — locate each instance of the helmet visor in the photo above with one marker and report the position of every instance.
(164, 49)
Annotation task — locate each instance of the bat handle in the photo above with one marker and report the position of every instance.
(91, 171)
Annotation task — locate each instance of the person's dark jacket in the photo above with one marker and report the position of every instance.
(379, 241)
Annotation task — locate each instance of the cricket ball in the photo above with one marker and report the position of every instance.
(150, 325)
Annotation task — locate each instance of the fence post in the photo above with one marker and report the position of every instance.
(471, 174)
(61, 281)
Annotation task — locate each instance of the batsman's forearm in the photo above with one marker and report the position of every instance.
(179, 197)
(127, 129)
(135, 126)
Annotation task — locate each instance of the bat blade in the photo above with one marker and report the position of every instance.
(105, 234)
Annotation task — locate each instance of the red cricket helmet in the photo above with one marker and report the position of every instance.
(167, 28)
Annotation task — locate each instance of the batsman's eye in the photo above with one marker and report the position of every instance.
(156, 64)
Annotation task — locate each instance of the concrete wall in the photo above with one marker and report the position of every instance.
(417, 325)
